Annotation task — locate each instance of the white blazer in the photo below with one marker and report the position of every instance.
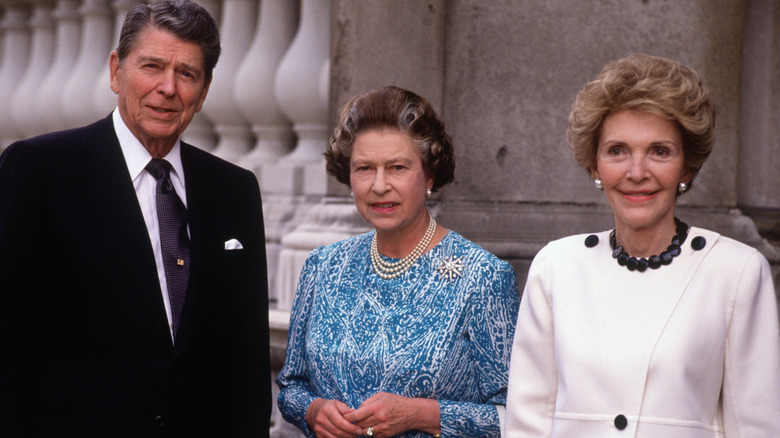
(688, 350)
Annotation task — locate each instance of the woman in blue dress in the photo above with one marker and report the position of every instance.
(406, 330)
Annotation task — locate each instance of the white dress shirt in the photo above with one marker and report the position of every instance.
(137, 157)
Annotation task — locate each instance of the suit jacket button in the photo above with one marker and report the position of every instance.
(159, 420)
(621, 422)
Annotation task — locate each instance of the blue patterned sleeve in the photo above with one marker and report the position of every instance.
(295, 391)
(491, 331)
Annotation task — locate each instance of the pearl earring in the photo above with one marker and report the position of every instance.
(428, 193)
(599, 185)
(682, 187)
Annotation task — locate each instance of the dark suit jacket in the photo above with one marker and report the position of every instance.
(85, 348)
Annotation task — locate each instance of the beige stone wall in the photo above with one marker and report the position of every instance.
(504, 75)
(758, 178)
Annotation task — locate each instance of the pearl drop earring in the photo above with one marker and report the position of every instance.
(682, 187)
(599, 185)
(428, 193)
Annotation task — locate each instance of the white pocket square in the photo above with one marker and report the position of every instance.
(233, 244)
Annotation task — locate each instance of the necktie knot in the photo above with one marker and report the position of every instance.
(161, 170)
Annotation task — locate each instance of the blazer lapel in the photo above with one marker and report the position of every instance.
(686, 266)
(117, 204)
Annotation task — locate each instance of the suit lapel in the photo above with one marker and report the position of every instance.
(116, 203)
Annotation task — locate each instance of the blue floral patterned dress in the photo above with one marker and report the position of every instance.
(429, 333)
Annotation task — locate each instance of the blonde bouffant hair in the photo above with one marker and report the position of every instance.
(650, 84)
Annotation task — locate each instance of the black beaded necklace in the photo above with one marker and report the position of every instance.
(652, 262)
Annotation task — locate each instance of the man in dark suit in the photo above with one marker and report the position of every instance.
(133, 289)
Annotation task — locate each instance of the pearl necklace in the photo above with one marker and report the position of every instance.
(652, 262)
(390, 270)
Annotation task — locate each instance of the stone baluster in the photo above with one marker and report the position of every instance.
(298, 85)
(24, 101)
(16, 52)
(94, 49)
(254, 92)
(103, 98)
(67, 34)
(237, 31)
(200, 131)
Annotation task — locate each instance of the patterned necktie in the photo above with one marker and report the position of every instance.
(172, 215)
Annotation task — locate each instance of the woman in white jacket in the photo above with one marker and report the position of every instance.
(654, 328)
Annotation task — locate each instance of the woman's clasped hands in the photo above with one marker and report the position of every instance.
(382, 415)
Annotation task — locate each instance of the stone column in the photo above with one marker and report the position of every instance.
(254, 92)
(758, 182)
(237, 31)
(94, 50)
(16, 53)
(378, 43)
(24, 100)
(66, 40)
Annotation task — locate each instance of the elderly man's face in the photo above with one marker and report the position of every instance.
(161, 85)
